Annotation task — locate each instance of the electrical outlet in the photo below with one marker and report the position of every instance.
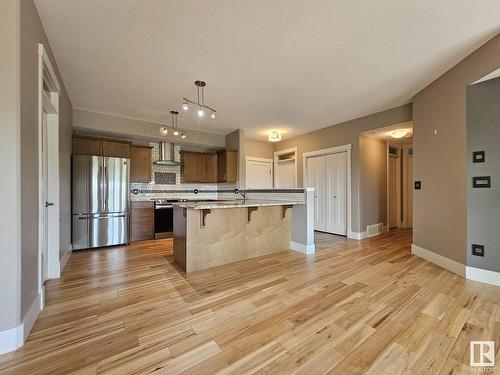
(478, 250)
(418, 185)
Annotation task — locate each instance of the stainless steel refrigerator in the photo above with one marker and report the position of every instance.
(100, 201)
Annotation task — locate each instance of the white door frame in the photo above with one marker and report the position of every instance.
(50, 104)
(334, 150)
(398, 190)
(407, 182)
(261, 160)
(277, 154)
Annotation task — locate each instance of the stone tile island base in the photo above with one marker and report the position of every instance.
(205, 238)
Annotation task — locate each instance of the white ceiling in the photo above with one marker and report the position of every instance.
(292, 65)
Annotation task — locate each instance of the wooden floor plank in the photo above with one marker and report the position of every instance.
(350, 308)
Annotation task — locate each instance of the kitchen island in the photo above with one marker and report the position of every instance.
(213, 233)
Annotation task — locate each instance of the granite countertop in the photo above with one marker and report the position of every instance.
(204, 205)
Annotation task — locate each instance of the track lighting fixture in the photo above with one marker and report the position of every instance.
(200, 102)
(175, 126)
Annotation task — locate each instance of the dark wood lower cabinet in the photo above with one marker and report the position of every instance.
(142, 225)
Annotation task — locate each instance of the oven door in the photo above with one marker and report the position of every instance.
(164, 220)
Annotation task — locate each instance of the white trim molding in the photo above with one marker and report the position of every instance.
(65, 258)
(446, 263)
(253, 158)
(14, 338)
(484, 276)
(302, 248)
(357, 235)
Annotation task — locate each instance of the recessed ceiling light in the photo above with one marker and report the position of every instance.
(164, 131)
(400, 133)
(274, 136)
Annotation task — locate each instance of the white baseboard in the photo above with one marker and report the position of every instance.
(358, 235)
(440, 260)
(12, 339)
(65, 257)
(306, 249)
(484, 276)
(32, 314)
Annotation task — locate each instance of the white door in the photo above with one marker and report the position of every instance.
(394, 192)
(316, 179)
(285, 174)
(45, 198)
(259, 174)
(335, 194)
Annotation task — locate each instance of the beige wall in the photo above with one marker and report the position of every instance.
(440, 161)
(10, 197)
(32, 33)
(236, 141)
(372, 181)
(341, 134)
(93, 122)
(259, 149)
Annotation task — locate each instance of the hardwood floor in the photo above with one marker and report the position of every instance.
(325, 240)
(359, 306)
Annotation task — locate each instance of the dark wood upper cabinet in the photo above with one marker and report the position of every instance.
(87, 146)
(227, 166)
(116, 149)
(140, 164)
(198, 166)
(101, 147)
(209, 168)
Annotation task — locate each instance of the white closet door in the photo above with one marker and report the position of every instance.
(259, 174)
(285, 172)
(316, 180)
(335, 194)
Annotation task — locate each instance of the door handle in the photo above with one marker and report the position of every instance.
(49, 204)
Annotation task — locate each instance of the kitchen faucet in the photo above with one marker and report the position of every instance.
(244, 195)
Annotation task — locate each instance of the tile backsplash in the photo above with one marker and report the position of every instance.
(167, 182)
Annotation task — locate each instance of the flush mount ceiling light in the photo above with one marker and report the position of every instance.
(274, 136)
(400, 133)
(200, 103)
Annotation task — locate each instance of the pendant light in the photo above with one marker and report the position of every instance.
(200, 102)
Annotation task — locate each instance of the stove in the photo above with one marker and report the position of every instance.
(164, 217)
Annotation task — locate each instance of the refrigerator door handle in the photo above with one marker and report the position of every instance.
(106, 189)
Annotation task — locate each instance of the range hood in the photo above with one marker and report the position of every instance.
(166, 154)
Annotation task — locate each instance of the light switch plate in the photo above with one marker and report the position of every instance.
(478, 250)
(478, 157)
(481, 182)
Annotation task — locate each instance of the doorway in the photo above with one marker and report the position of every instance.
(48, 171)
(327, 172)
(400, 185)
(394, 187)
(259, 173)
